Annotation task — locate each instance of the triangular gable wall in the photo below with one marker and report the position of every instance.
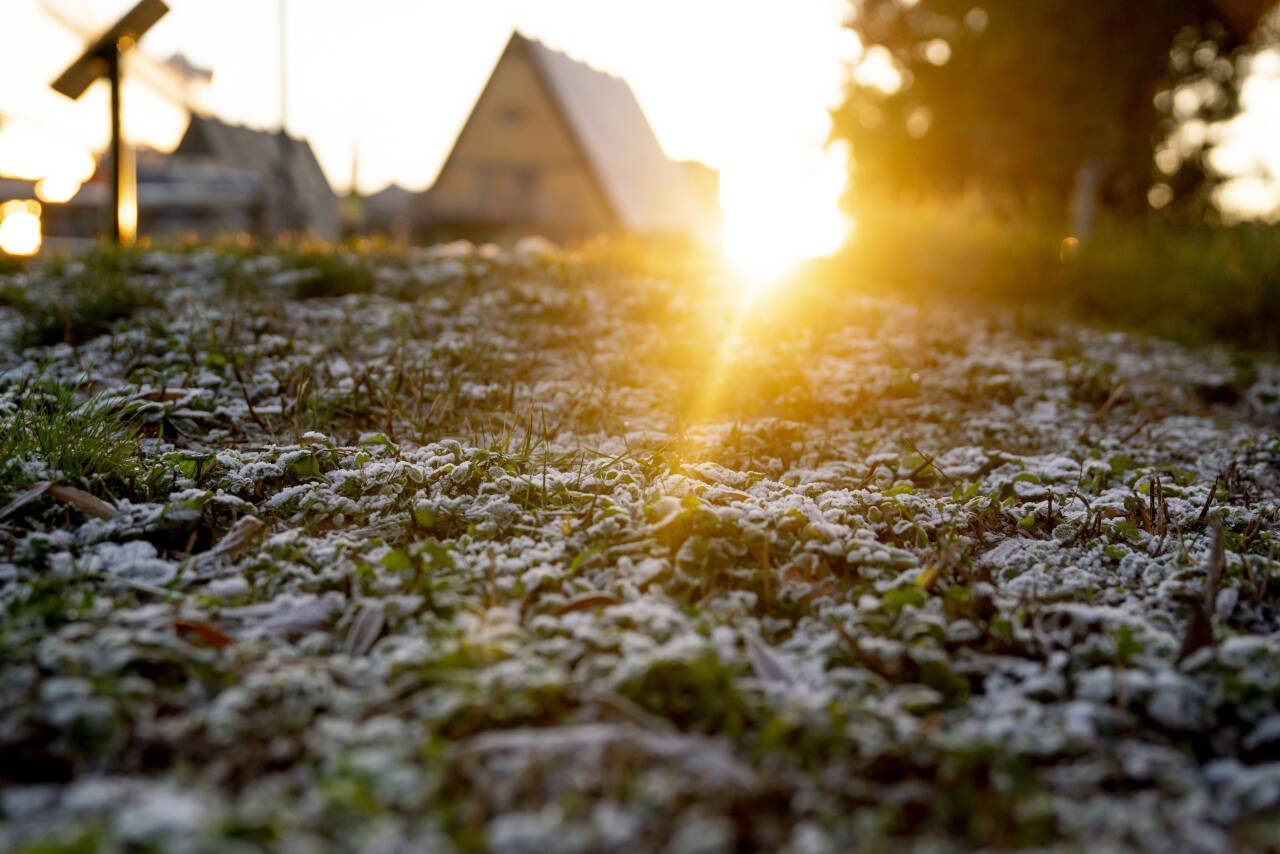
(648, 191)
(544, 140)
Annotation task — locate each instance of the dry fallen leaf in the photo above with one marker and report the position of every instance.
(365, 630)
(244, 533)
(161, 396)
(30, 495)
(585, 602)
(78, 498)
(768, 665)
(83, 501)
(209, 635)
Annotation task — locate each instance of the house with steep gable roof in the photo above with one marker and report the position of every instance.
(556, 147)
(292, 193)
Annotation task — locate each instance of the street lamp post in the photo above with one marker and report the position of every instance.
(103, 59)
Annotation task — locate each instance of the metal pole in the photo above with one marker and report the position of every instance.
(117, 145)
(284, 67)
(284, 211)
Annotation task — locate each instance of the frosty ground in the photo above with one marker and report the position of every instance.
(529, 551)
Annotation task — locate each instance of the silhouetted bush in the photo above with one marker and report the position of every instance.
(1191, 282)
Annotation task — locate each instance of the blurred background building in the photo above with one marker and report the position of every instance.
(556, 147)
(215, 155)
(551, 146)
(218, 178)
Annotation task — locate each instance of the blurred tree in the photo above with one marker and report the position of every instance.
(1024, 101)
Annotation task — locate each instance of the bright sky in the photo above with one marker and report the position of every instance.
(742, 85)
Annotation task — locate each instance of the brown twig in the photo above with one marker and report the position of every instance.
(928, 461)
(1086, 523)
(1142, 422)
(244, 393)
(862, 655)
(866, 481)
(1160, 509)
(1112, 399)
(1200, 627)
(1217, 560)
(1204, 511)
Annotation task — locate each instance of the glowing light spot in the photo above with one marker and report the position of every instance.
(1168, 160)
(919, 122)
(878, 68)
(56, 188)
(127, 212)
(1242, 198)
(1186, 102)
(20, 227)
(128, 221)
(937, 52)
(775, 221)
(31, 153)
(1159, 195)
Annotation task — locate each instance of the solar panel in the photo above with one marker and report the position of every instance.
(93, 63)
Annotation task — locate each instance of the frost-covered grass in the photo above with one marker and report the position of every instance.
(466, 549)
(83, 301)
(46, 431)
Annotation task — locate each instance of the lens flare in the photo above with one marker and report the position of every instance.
(775, 220)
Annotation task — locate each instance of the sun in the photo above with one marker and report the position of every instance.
(776, 218)
(757, 265)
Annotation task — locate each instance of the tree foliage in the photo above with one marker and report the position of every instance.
(1011, 98)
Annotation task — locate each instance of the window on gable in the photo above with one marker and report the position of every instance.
(512, 114)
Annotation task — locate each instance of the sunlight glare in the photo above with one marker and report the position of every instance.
(20, 227)
(56, 188)
(30, 153)
(775, 220)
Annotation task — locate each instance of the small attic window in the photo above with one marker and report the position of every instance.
(512, 114)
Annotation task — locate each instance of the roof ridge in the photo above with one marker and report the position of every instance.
(563, 55)
(209, 117)
(646, 188)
